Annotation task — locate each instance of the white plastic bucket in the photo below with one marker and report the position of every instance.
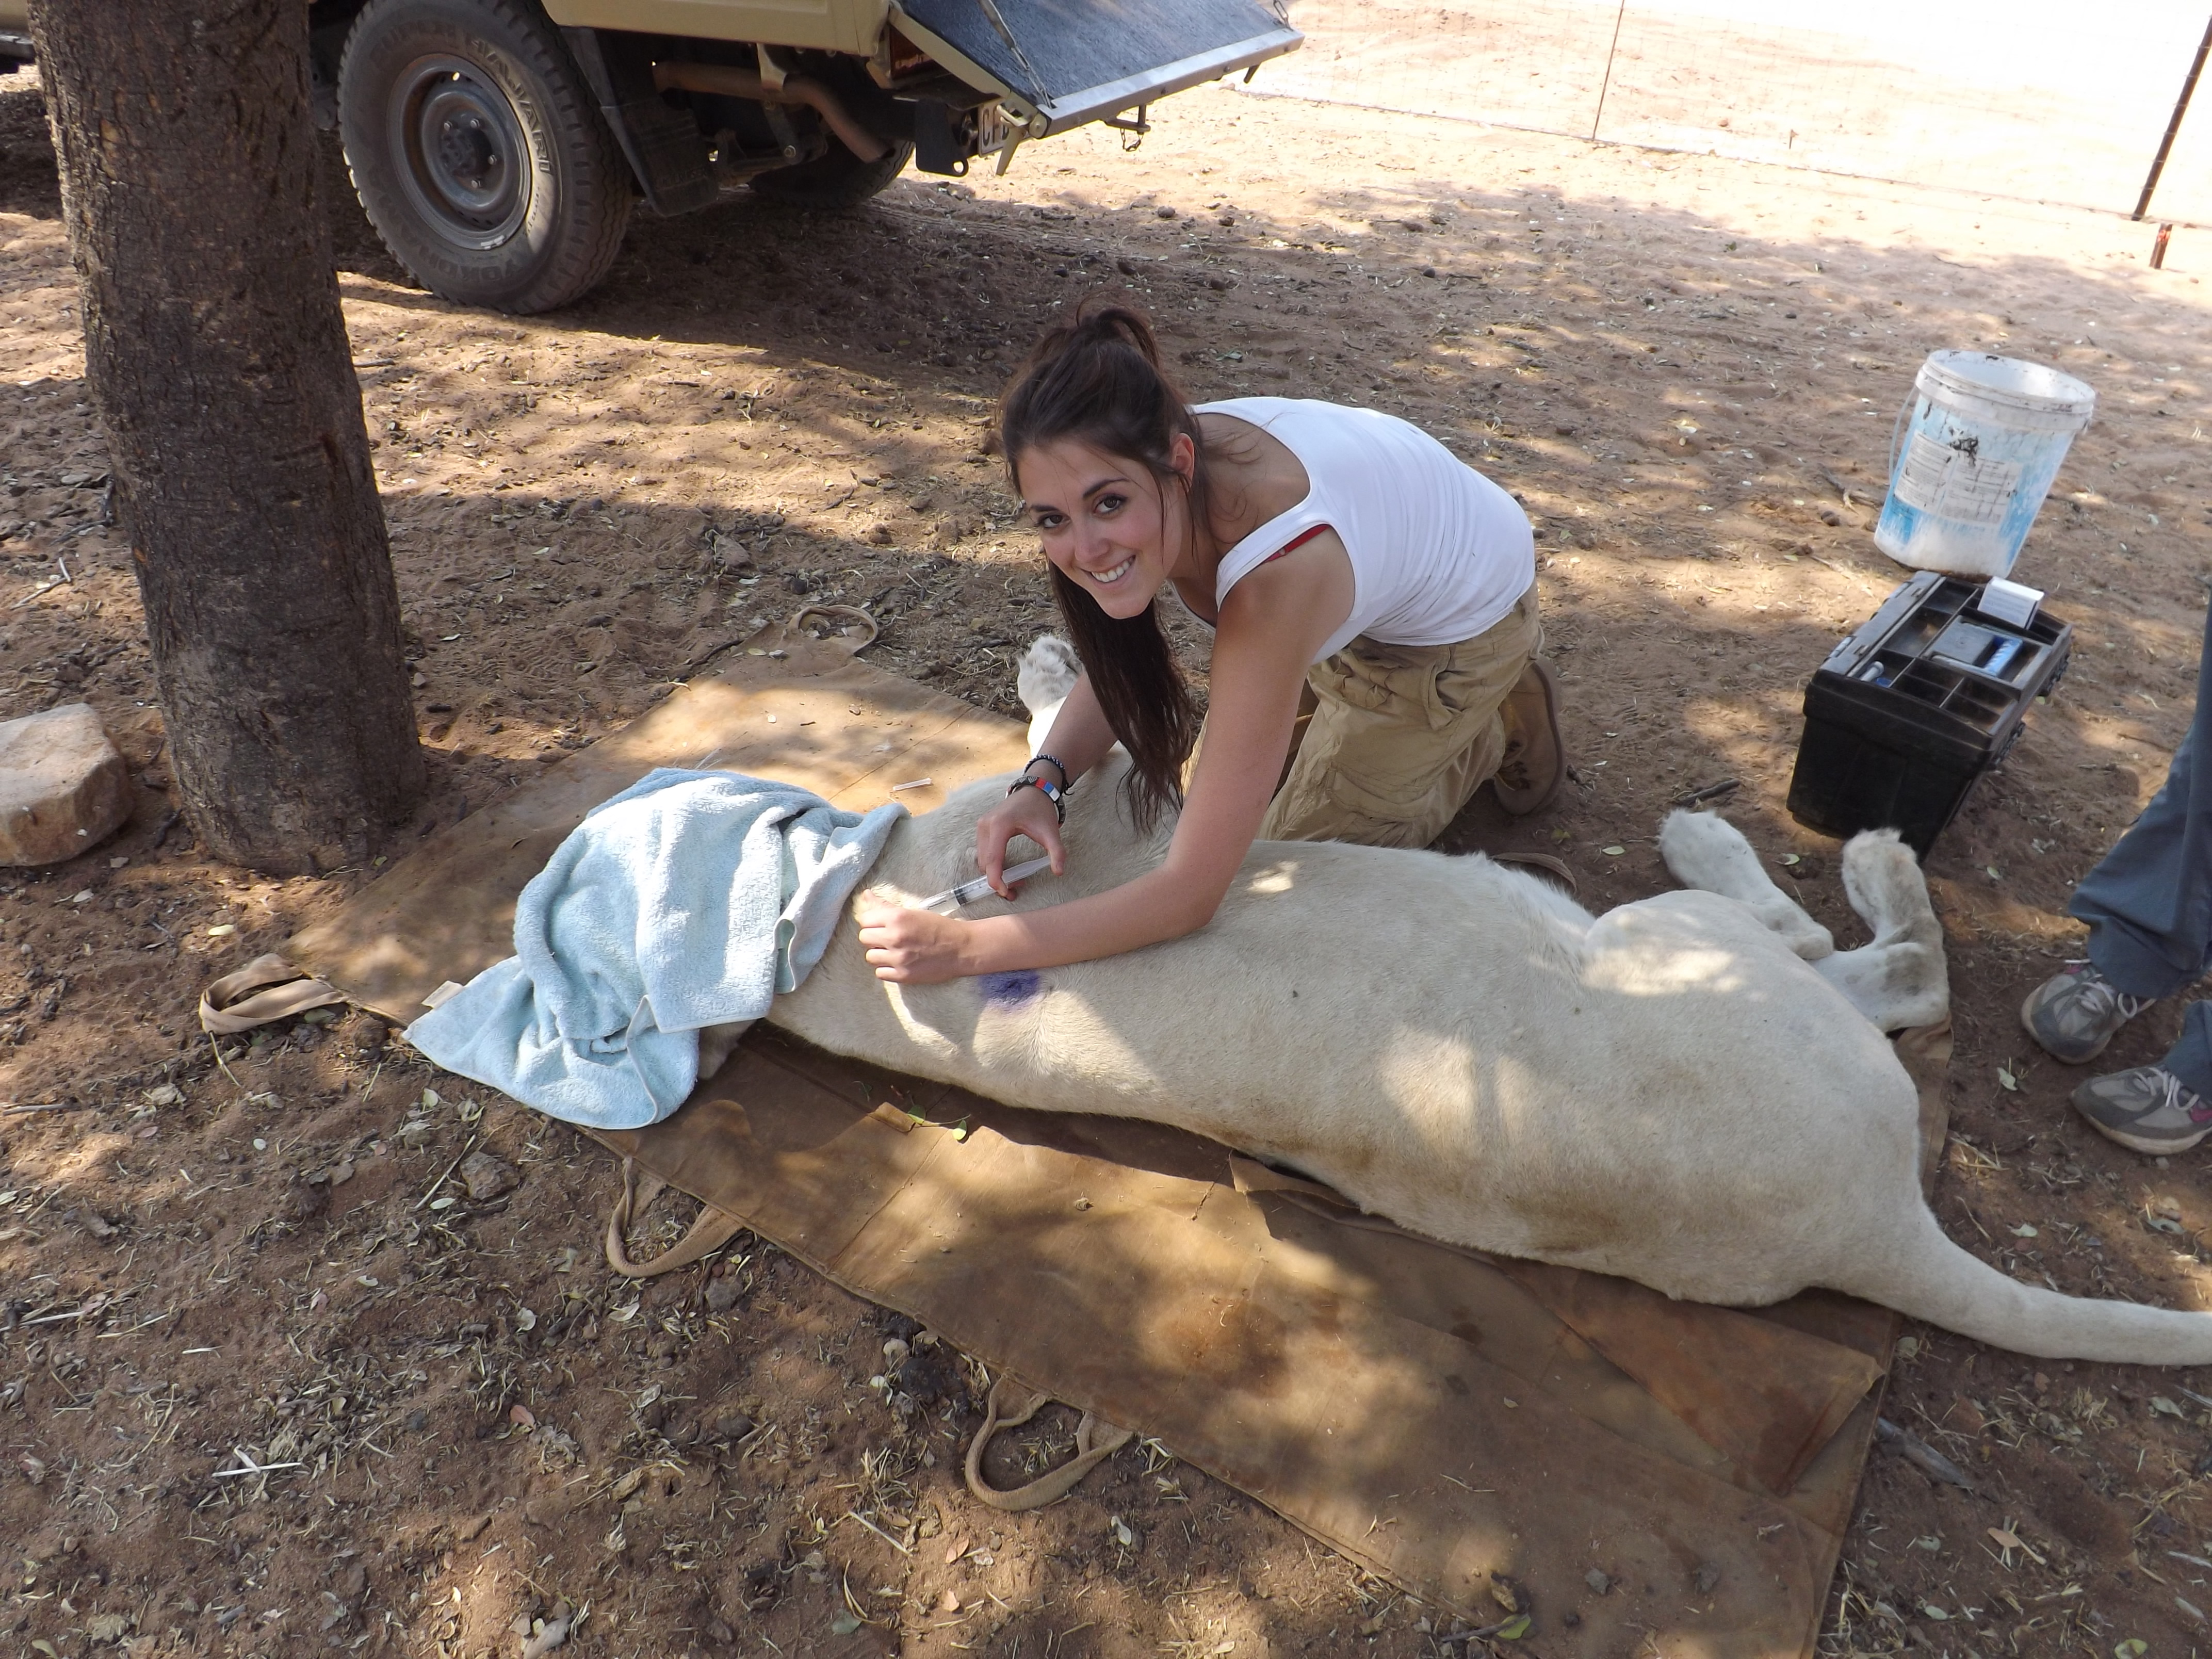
(1982, 439)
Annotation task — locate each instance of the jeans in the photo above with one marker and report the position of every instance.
(2149, 904)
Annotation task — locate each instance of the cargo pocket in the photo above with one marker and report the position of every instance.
(1478, 675)
(1382, 812)
(1355, 681)
(1397, 682)
(1462, 692)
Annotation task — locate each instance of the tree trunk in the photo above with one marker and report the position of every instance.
(217, 359)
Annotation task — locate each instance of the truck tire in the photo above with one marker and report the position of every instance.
(838, 179)
(478, 153)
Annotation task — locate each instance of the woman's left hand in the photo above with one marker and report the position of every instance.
(912, 947)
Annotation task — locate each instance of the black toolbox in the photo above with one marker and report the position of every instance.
(1906, 714)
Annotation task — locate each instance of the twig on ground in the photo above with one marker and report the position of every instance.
(855, 1515)
(1708, 791)
(215, 1043)
(46, 586)
(441, 1181)
(1918, 1453)
(1843, 490)
(251, 1468)
(91, 1307)
(712, 652)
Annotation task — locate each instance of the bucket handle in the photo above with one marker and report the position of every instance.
(1897, 431)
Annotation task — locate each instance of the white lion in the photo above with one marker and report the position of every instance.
(1692, 1091)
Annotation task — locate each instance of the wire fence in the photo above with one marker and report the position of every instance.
(2024, 100)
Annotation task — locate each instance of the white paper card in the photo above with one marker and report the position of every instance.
(2012, 603)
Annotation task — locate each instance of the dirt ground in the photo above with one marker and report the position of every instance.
(1686, 367)
(1951, 98)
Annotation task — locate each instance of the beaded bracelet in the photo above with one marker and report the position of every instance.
(1051, 792)
(1067, 782)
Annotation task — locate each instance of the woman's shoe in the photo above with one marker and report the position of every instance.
(1534, 769)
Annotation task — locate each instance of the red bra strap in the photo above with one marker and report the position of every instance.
(1296, 542)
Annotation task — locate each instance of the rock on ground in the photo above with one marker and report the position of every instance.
(486, 1177)
(63, 788)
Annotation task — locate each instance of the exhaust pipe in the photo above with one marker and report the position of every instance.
(733, 83)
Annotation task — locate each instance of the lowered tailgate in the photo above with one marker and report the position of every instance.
(1057, 64)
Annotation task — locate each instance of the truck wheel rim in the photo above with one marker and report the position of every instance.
(463, 162)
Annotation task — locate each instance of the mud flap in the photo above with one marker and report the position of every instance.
(662, 144)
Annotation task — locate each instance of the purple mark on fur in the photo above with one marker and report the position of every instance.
(1011, 990)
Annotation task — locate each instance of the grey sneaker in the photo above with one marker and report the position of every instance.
(2074, 1013)
(2146, 1109)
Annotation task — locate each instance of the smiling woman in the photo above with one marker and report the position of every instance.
(1374, 605)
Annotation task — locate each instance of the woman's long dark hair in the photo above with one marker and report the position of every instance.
(1098, 379)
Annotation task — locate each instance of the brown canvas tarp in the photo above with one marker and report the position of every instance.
(1437, 1416)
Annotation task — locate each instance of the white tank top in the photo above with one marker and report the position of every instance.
(1439, 553)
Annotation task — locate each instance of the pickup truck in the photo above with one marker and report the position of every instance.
(498, 146)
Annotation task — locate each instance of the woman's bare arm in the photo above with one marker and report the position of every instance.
(1271, 625)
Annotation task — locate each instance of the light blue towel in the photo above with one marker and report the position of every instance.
(689, 899)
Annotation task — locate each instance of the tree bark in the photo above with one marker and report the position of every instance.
(217, 359)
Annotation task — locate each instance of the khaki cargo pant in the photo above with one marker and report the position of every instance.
(1399, 737)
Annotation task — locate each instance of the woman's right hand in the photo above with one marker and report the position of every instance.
(1027, 812)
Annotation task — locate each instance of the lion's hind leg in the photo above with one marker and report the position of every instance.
(1899, 978)
(1705, 851)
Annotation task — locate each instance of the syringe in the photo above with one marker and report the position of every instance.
(969, 891)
